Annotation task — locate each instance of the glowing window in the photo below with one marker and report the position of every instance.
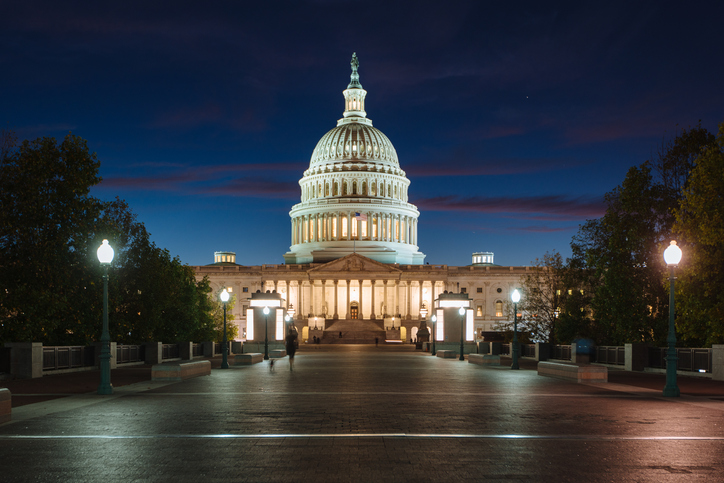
(334, 227)
(364, 228)
(374, 227)
(344, 226)
(479, 311)
(230, 289)
(498, 308)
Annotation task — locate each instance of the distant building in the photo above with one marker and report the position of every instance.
(354, 267)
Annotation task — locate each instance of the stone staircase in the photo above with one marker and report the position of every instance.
(354, 332)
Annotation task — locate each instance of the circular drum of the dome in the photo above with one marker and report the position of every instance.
(354, 142)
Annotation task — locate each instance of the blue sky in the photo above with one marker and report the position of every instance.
(511, 119)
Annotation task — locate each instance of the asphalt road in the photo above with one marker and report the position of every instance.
(360, 413)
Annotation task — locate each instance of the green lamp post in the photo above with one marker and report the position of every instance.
(672, 256)
(515, 297)
(225, 346)
(105, 256)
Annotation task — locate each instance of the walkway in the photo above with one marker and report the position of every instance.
(360, 413)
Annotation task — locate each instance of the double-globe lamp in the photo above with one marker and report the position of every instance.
(105, 256)
(224, 296)
(672, 257)
(515, 297)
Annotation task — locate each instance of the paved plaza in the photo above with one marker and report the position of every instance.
(360, 413)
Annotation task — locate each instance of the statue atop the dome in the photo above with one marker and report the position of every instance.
(354, 82)
(355, 62)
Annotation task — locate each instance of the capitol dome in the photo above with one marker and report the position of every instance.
(354, 194)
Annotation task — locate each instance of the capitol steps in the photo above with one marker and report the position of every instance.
(353, 332)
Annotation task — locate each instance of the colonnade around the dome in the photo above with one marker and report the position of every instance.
(346, 226)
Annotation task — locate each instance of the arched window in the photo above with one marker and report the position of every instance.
(344, 188)
(326, 189)
(354, 187)
(498, 308)
(364, 188)
(335, 189)
(373, 189)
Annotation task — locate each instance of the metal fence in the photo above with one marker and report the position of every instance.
(170, 351)
(217, 347)
(197, 350)
(561, 352)
(527, 350)
(615, 355)
(130, 353)
(67, 357)
(691, 360)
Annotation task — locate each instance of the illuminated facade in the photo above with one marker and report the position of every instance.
(354, 266)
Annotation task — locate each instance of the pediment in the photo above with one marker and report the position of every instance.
(354, 264)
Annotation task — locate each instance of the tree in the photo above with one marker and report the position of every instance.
(700, 223)
(50, 229)
(539, 305)
(46, 223)
(621, 251)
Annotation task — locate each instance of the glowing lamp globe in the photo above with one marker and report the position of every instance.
(461, 311)
(672, 255)
(224, 296)
(105, 253)
(266, 311)
(515, 296)
(434, 318)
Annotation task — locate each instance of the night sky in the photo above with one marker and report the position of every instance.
(511, 119)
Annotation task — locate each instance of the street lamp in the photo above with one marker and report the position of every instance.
(461, 311)
(672, 256)
(515, 297)
(266, 333)
(434, 333)
(105, 256)
(225, 347)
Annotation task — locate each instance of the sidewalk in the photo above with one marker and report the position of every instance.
(360, 413)
(29, 391)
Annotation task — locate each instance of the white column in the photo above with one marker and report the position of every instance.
(336, 298)
(324, 298)
(347, 302)
(397, 297)
(361, 305)
(420, 299)
(387, 307)
(372, 306)
(409, 299)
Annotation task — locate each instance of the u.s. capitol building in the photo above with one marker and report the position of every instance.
(354, 268)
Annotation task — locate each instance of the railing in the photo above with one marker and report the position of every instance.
(615, 355)
(67, 357)
(691, 360)
(197, 350)
(217, 347)
(505, 349)
(527, 350)
(561, 352)
(169, 351)
(130, 353)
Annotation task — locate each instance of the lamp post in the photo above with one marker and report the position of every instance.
(461, 311)
(105, 256)
(672, 256)
(266, 333)
(225, 345)
(515, 297)
(434, 333)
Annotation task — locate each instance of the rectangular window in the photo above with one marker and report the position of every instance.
(479, 311)
(463, 290)
(245, 289)
(364, 228)
(480, 289)
(230, 289)
(334, 228)
(374, 227)
(344, 227)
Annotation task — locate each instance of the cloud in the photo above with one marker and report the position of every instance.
(211, 180)
(552, 207)
(462, 163)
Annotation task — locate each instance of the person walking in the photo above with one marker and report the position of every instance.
(291, 346)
